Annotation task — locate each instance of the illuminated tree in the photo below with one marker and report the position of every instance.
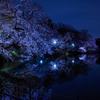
(24, 29)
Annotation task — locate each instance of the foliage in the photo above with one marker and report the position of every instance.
(79, 38)
(98, 42)
(26, 27)
(10, 66)
(13, 53)
(25, 31)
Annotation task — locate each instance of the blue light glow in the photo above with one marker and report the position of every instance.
(73, 61)
(41, 61)
(73, 45)
(54, 41)
(55, 65)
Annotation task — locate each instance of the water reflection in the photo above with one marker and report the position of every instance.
(36, 78)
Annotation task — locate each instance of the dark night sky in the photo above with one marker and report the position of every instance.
(81, 14)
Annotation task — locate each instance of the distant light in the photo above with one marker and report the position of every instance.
(41, 61)
(73, 45)
(54, 41)
(82, 57)
(55, 65)
(73, 61)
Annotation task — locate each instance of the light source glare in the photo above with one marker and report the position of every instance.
(73, 45)
(54, 42)
(41, 61)
(55, 65)
(73, 61)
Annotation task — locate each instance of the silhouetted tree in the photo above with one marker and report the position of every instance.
(85, 31)
(98, 42)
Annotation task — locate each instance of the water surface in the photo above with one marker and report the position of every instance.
(61, 78)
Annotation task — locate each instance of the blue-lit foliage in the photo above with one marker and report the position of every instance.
(25, 27)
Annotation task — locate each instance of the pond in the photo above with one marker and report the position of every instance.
(60, 78)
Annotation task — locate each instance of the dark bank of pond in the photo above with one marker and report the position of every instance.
(58, 78)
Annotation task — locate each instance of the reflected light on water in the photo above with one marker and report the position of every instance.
(50, 77)
(41, 61)
(82, 57)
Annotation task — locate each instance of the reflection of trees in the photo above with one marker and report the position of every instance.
(39, 78)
